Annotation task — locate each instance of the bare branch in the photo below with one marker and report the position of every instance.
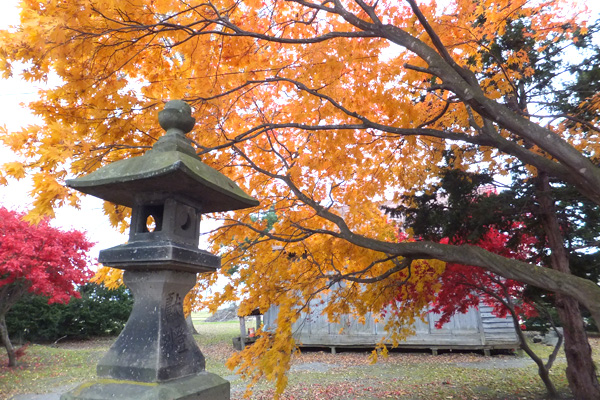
(351, 276)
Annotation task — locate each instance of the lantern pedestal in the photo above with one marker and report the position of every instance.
(155, 356)
(203, 386)
(156, 344)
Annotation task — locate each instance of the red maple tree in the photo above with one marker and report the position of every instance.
(465, 286)
(39, 259)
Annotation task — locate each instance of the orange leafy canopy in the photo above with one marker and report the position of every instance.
(320, 110)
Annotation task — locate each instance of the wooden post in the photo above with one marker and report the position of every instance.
(243, 332)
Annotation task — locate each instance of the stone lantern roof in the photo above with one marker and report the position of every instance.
(171, 168)
(168, 189)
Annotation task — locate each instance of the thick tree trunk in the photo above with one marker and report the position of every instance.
(581, 371)
(10, 350)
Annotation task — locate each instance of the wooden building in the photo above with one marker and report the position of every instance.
(478, 329)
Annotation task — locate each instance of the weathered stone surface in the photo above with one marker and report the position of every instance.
(183, 174)
(155, 345)
(203, 386)
(174, 220)
(177, 115)
(159, 256)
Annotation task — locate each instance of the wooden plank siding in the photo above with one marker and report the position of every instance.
(495, 329)
(476, 329)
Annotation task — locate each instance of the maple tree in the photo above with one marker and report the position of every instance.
(40, 259)
(467, 207)
(320, 110)
(463, 287)
(463, 209)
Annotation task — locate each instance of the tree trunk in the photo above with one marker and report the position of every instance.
(581, 371)
(10, 350)
(543, 369)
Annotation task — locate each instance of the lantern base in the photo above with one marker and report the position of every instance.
(203, 386)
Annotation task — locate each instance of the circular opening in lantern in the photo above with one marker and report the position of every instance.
(187, 223)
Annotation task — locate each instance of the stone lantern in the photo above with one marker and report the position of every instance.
(168, 188)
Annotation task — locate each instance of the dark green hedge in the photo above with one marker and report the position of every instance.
(99, 312)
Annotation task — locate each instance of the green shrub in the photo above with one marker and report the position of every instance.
(99, 312)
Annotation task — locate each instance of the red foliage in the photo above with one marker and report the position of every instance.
(465, 286)
(47, 260)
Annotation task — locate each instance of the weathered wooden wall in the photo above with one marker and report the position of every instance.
(476, 329)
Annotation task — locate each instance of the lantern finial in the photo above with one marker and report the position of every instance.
(177, 114)
(176, 118)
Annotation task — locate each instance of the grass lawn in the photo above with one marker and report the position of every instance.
(314, 374)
